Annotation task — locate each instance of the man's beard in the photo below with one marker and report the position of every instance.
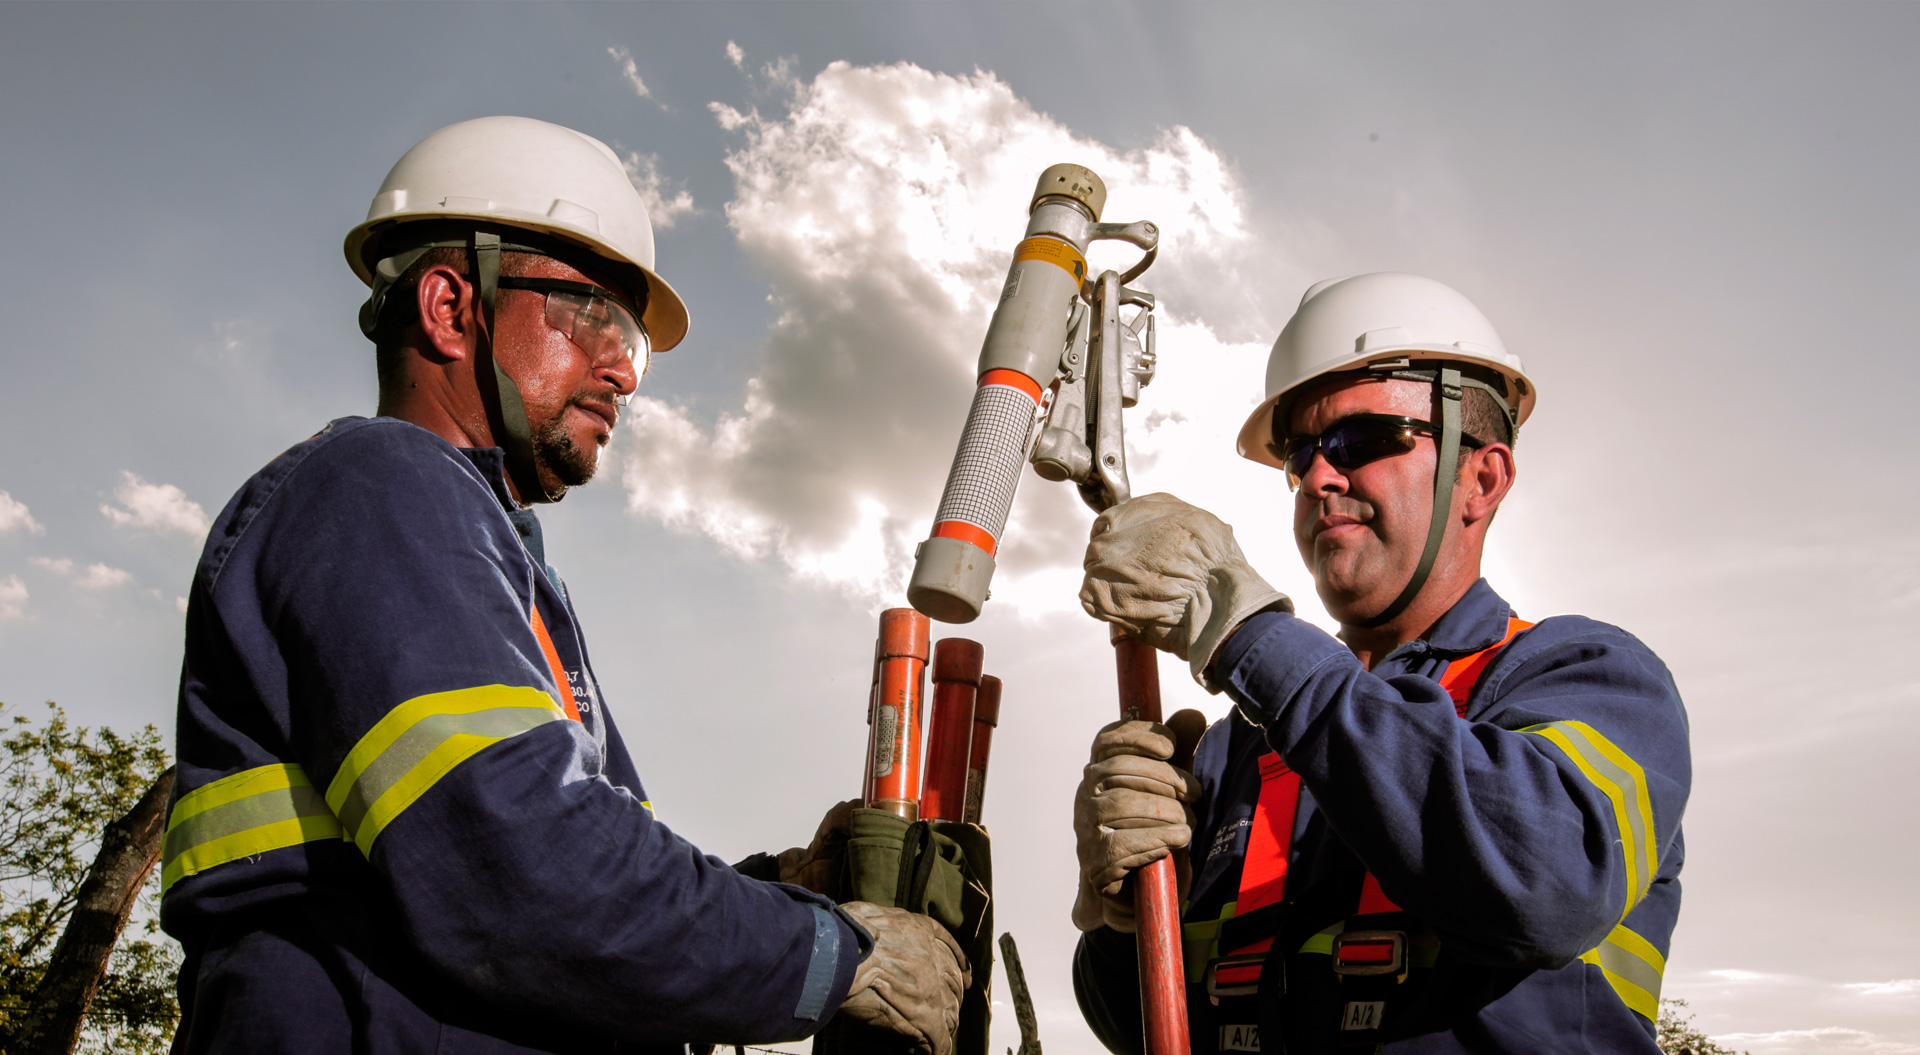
(554, 449)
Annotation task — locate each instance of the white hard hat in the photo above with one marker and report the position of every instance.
(522, 173)
(1346, 324)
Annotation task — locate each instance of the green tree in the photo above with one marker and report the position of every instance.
(60, 786)
(1678, 1035)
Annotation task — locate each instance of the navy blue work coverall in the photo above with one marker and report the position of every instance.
(1539, 835)
(387, 834)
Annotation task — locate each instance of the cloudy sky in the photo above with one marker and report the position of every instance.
(1694, 222)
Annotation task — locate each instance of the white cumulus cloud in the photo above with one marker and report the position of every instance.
(101, 577)
(664, 208)
(14, 516)
(630, 72)
(159, 508)
(91, 577)
(883, 207)
(1896, 987)
(13, 598)
(1826, 1040)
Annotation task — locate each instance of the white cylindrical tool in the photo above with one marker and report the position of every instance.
(1019, 359)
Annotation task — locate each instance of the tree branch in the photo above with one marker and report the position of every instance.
(128, 850)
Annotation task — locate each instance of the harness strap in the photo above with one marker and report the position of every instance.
(1463, 674)
(554, 665)
(1263, 871)
(1263, 878)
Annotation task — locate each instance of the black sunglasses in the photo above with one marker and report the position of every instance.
(1355, 441)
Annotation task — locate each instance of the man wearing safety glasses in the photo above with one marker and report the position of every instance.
(1449, 829)
(404, 821)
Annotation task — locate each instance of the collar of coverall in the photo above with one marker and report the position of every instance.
(1477, 620)
(492, 463)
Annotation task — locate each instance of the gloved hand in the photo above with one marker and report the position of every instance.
(1173, 575)
(817, 867)
(912, 982)
(1129, 811)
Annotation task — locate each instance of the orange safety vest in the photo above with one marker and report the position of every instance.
(1263, 873)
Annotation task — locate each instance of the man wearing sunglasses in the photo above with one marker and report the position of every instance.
(405, 821)
(1446, 830)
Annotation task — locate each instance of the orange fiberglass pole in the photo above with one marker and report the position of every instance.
(893, 739)
(956, 681)
(986, 715)
(1156, 888)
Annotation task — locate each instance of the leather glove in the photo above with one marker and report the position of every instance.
(1129, 811)
(1173, 575)
(817, 867)
(912, 982)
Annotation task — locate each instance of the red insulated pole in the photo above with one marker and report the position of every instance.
(986, 715)
(893, 743)
(956, 681)
(1156, 888)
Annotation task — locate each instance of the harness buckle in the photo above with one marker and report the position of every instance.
(1242, 975)
(1371, 954)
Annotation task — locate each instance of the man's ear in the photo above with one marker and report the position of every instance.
(1485, 479)
(448, 322)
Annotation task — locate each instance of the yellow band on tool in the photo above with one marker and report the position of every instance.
(1055, 252)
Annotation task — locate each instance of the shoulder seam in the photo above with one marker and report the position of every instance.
(1517, 652)
(319, 440)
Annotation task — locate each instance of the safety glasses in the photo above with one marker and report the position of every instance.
(589, 317)
(1356, 441)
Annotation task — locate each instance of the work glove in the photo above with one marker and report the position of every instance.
(1172, 574)
(817, 867)
(1130, 810)
(912, 982)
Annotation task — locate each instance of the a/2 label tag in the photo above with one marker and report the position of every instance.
(1363, 1014)
(1239, 1038)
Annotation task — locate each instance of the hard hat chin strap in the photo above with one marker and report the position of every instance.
(514, 434)
(1446, 384)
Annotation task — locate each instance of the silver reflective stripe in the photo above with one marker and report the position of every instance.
(414, 745)
(242, 816)
(1633, 967)
(1617, 776)
(238, 816)
(420, 741)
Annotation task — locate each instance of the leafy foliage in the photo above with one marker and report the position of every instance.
(60, 786)
(1678, 1035)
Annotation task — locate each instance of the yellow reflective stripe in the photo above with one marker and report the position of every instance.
(1200, 941)
(419, 742)
(1622, 780)
(1322, 942)
(243, 815)
(1633, 967)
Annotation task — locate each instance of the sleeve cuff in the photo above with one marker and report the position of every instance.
(1265, 665)
(831, 972)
